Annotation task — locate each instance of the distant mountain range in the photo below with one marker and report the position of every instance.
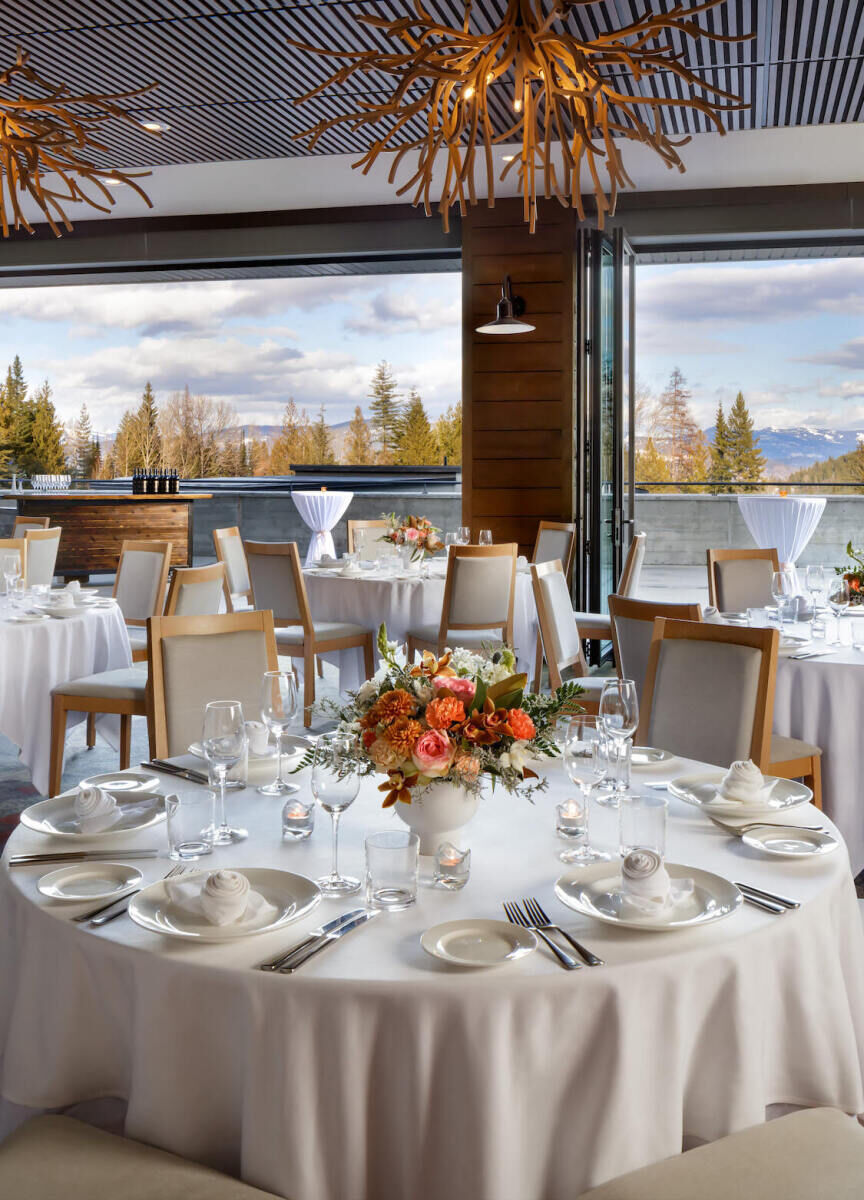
(799, 446)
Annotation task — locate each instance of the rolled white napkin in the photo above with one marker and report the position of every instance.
(221, 898)
(744, 783)
(326, 560)
(350, 569)
(522, 563)
(645, 883)
(712, 616)
(258, 735)
(73, 586)
(95, 810)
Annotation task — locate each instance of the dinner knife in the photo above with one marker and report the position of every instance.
(328, 940)
(159, 764)
(768, 905)
(73, 856)
(274, 964)
(772, 896)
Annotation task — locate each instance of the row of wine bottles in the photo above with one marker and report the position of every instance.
(155, 483)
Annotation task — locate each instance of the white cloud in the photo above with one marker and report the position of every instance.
(849, 354)
(405, 310)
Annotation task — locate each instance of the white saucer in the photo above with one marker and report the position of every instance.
(702, 792)
(89, 881)
(127, 782)
(478, 942)
(784, 843)
(645, 757)
(595, 892)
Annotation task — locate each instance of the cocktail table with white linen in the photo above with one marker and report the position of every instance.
(784, 523)
(378, 1071)
(321, 511)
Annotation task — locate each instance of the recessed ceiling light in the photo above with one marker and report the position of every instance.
(508, 157)
(113, 182)
(155, 126)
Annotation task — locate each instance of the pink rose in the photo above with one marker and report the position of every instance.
(411, 535)
(433, 753)
(464, 689)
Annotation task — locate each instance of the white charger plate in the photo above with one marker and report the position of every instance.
(57, 817)
(293, 896)
(701, 791)
(128, 781)
(89, 881)
(594, 891)
(478, 942)
(784, 843)
(645, 757)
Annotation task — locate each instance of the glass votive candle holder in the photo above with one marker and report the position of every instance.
(642, 823)
(571, 819)
(298, 820)
(452, 866)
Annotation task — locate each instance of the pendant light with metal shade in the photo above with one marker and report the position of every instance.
(510, 309)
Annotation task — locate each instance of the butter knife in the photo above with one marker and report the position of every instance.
(159, 764)
(327, 940)
(274, 964)
(73, 856)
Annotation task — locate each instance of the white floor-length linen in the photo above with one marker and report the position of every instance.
(785, 523)
(376, 1072)
(36, 658)
(321, 510)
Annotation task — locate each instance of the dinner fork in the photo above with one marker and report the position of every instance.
(739, 829)
(103, 908)
(516, 916)
(534, 910)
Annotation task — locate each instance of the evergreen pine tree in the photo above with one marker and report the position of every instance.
(47, 435)
(16, 418)
(651, 466)
(96, 463)
(448, 435)
(386, 411)
(321, 441)
(147, 439)
(82, 445)
(746, 461)
(720, 465)
(678, 436)
(359, 450)
(417, 445)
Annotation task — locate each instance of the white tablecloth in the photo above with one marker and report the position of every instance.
(321, 511)
(377, 1072)
(404, 604)
(35, 658)
(786, 523)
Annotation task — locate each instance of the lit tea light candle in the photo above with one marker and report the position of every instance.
(298, 820)
(570, 819)
(452, 866)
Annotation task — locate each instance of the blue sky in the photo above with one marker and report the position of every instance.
(789, 334)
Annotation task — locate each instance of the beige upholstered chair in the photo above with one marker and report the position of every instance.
(709, 695)
(22, 524)
(740, 579)
(121, 692)
(560, 635)
(139, 588)
(478, 600)
(42, 547)
(229, 550)
(364, 539)
(196, 659)
(556, 541)
(598, 626)
(195, 591)
(632, 629)
(278, 584)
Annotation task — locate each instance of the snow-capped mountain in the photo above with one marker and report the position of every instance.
(799, 446)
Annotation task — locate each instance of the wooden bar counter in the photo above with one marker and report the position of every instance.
(95, 525)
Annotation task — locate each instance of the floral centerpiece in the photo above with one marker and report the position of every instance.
(854, 574)
(437, 730)
(418, 533)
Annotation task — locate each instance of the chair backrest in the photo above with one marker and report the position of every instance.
(42, 547)
(741, 579)
(562, 645)
(631, 572)
(229, 550)
(633, 628)
(277, 582)
(364, 538)
(22, 524)
(19, 544)
(139, 585)
(196, 659)
(556, 541)
(709, 691)
(195, 591)
(479, 589)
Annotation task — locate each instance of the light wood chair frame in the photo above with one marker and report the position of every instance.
(564, 527)
(544, 620)
(312, 645)
(220, 535)
(163, 548)
(52, 533)
(635, 610)
(183, 576)
(31, 523)
(629, 567)
(93, 706)
(353, 526)
(731, 555)
(160, 628)
(500, 550)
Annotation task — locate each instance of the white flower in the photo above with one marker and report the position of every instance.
(517, 757)
(367, 692)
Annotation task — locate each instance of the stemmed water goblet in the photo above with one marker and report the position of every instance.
(816, 585)
(11, 572)
(335, 785)
(838, 600)
(619, 718)
(278, 712)
(783, 591)
(585, 761)
(224, 740)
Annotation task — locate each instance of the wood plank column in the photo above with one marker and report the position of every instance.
(518, 390)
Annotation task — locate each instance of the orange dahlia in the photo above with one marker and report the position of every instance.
(402, 734)
(444, 712)
(521, 724)
(390, 706)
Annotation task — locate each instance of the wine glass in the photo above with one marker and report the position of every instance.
(464, 534)
(11, 571)
(278, 711)
(816, 585)
(585, 761)
(484, 537)
(224, 740)
(619, 717)
(335, 786)
(783, 591)
(838, 600)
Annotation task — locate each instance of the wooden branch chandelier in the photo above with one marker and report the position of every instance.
(567, 109)
(47, 130)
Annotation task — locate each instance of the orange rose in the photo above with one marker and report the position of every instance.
(521, 724)
(444, 712)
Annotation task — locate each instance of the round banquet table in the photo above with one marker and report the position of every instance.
(404, 600)
(321, 510)
(34, 658)
(379, 1072)
(784, 523)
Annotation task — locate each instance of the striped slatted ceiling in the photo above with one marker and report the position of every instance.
(227, 79)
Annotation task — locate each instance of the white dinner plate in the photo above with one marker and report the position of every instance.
(647, 756)
(139, 810)
(129, 781)
(27, 618)
(293, 896)
(786, 843)
(701, 791)
(89, 881)
(478, 942)
(63, 614)
(595, 892)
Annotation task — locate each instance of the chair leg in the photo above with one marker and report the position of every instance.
(125, 740)
(412, 650)
(814, 780)
(538, 665)
(320, 667)
(91, 730)
(369, 656)
(58, 744)
(308, 686)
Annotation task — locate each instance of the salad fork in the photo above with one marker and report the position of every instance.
(739, 829)
(533, 909)
(516, 916)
